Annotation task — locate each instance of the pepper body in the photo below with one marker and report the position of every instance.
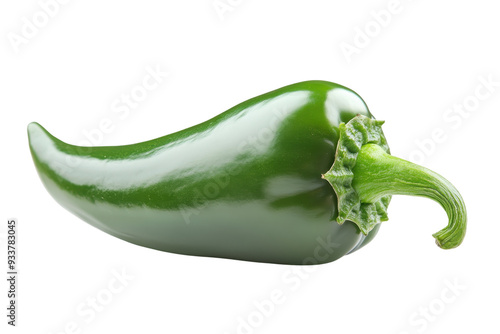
(246, 184)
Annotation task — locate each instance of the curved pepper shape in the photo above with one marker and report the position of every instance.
(264, 181)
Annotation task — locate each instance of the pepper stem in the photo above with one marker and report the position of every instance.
(365, 176)
(377, 174)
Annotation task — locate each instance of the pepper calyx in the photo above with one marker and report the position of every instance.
(359, 131)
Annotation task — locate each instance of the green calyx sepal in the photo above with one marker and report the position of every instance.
(359, 131)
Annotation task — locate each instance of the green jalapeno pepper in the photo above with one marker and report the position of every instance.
(299, 175)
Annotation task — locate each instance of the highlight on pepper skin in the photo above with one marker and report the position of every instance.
(267, 180)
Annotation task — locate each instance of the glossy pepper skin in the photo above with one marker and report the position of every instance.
(247, 184)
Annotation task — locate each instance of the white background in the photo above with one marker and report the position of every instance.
(415, 68)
